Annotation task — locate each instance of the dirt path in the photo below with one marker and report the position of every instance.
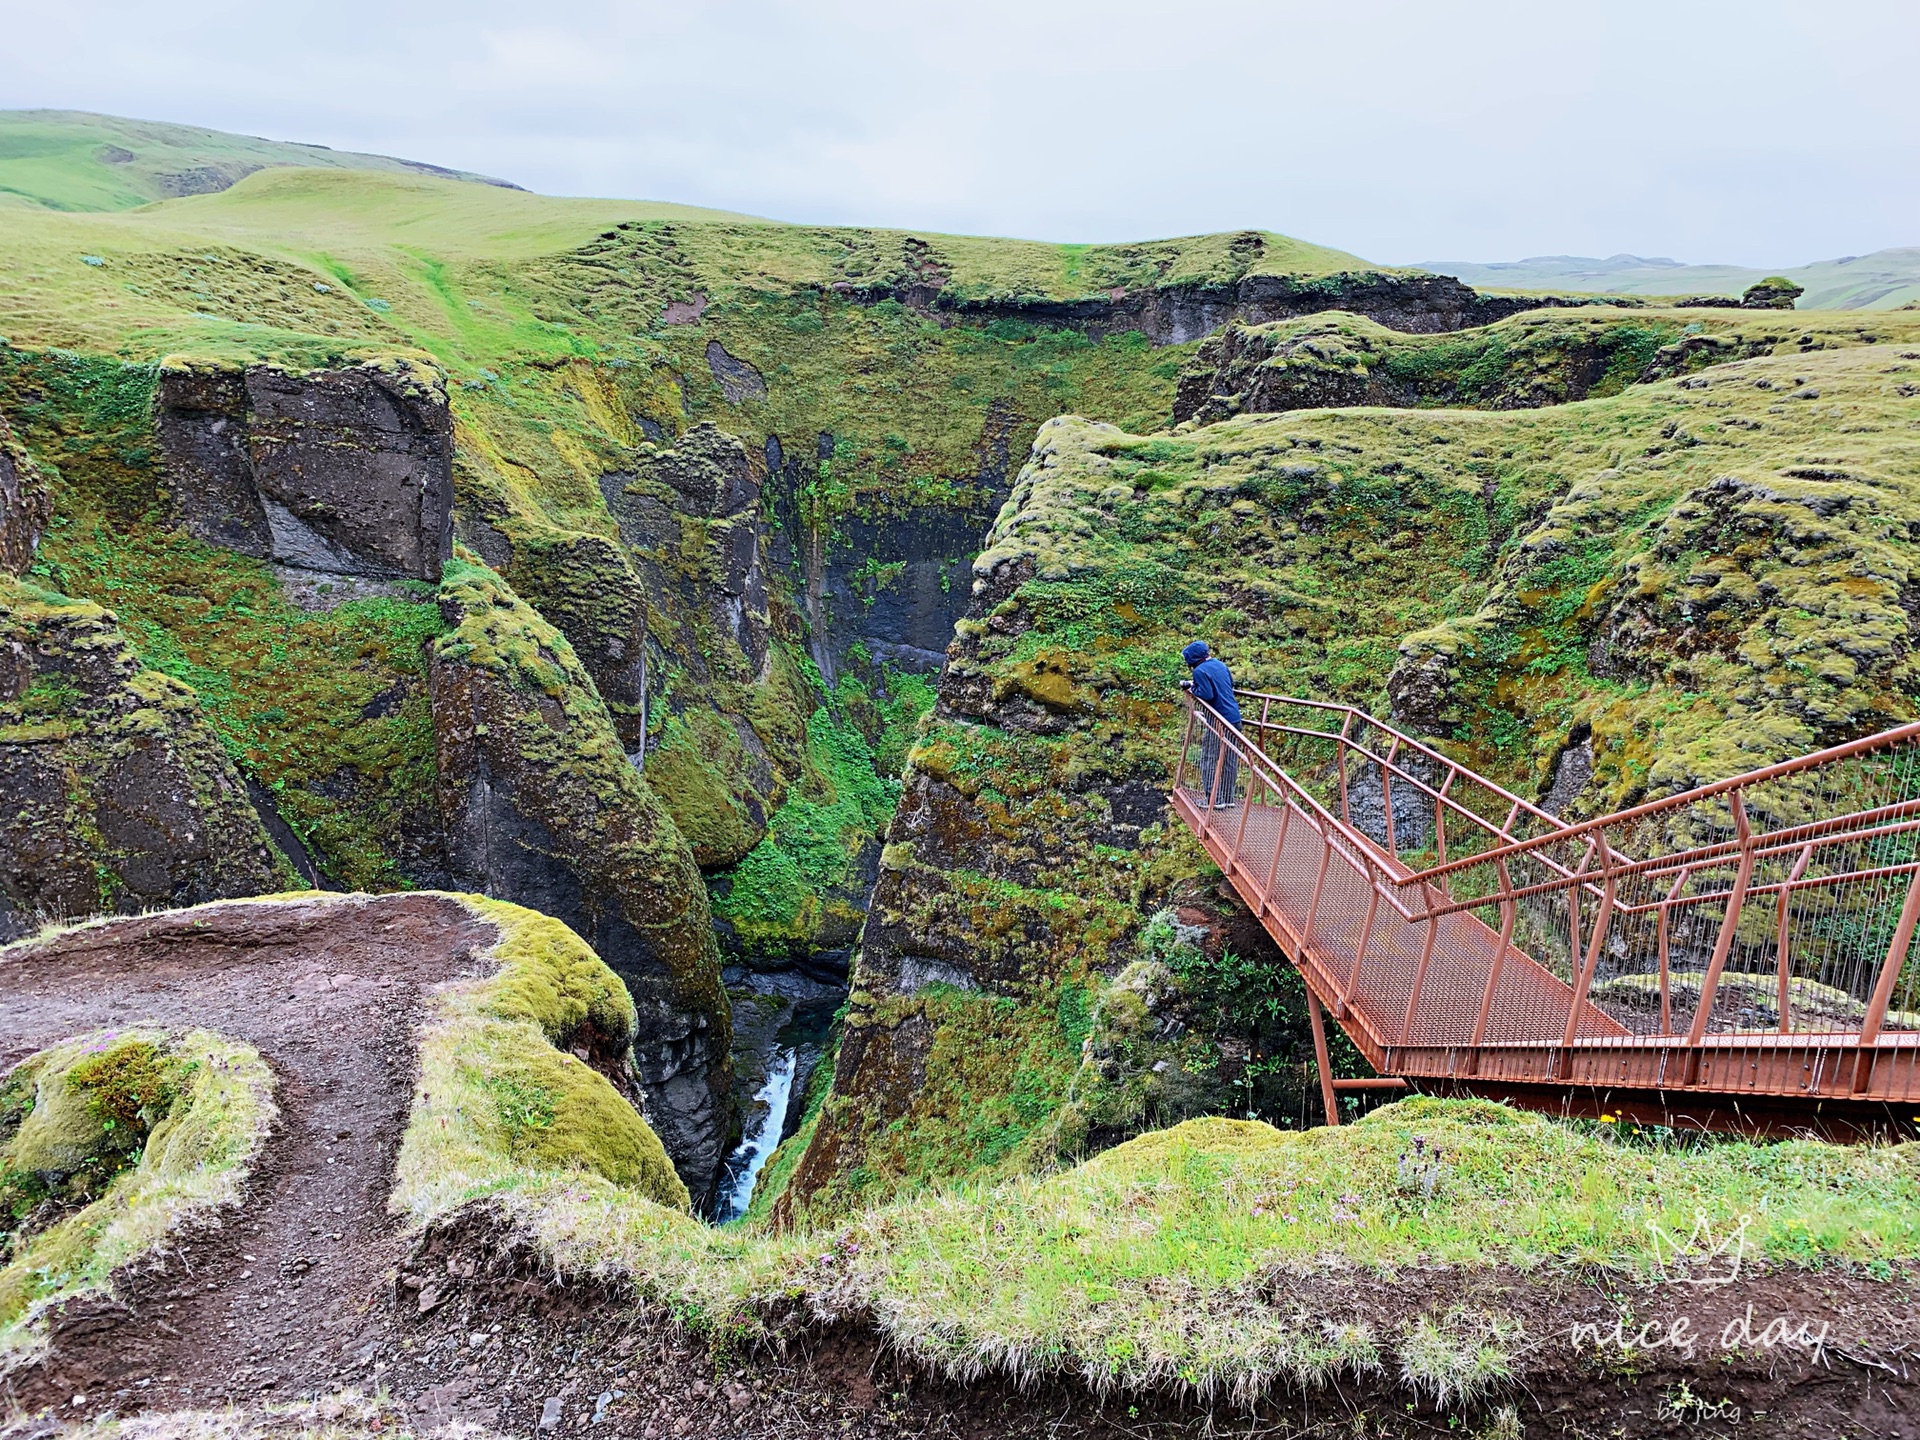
(285, 1296)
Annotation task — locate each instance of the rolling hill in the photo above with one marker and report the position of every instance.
(1883, 280)
(75, 160)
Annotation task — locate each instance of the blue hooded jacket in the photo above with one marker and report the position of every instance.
(1213, 683)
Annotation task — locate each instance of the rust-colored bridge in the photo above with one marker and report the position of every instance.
(1733, 957)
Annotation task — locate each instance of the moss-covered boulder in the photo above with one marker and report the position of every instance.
(110, 1143)
(115, 793)
(542, 807)
(1776, 292)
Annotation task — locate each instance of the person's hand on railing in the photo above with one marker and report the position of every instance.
(1187, 685)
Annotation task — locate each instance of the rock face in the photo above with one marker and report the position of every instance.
(1172, 311)
(1175, 314)
(693, 532)
(25, 503)
(115, 794)
(346, 471)
(893, 582)
(542, 807)
(1545, 358)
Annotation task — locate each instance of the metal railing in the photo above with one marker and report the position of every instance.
(1746, 937)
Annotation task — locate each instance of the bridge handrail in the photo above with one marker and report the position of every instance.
(1564, 830)
(1357, 847)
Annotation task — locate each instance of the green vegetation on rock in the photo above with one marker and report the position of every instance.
(504, 1104)
(1159, 1263)
(803, 885)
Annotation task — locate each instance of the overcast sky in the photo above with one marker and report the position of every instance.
(1749, 131)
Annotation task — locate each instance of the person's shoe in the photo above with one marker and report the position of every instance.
(1225, 805)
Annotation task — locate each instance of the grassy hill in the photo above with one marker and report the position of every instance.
(74, 160)
(1884, 280)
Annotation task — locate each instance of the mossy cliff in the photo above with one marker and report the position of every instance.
(118, 794)
(543, 808)
(1545, 357)
(1705, 574)
(25, 503)
(314, 682)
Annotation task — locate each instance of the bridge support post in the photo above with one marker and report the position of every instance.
(1319, 1021)
(1883, 985)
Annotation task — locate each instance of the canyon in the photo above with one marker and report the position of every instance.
(791, 615)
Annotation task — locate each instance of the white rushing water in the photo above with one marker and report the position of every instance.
(765, 1138)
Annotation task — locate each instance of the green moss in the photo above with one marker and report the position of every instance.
(326, 709)
(164, 1130)
(697, 791)
(549, 977)
(1542, 357)
(502, 1106)
(556, 1113)
(778, 895)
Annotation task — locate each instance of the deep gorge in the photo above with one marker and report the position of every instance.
(768, 636)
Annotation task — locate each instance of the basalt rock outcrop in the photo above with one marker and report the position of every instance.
(543, 808)
(115, 794)
(893, 581)
(1146, 291)
(25, 503)
(1173, 314)
(347, 471)
(1544, 358)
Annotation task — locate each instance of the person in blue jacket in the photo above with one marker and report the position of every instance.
(1213, 683)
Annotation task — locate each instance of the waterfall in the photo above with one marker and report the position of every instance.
(765, 1138)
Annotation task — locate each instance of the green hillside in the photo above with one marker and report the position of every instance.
(74, 160)
(1884, 280)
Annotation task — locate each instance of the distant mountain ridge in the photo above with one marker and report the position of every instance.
(1883, 280)
(77, 160)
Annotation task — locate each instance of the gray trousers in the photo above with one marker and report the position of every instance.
(1213, 752)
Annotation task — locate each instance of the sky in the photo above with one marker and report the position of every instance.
(1753, 133)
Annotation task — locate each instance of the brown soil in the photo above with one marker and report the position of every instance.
(503, 1342)
(310, 1288)
(281, 1296)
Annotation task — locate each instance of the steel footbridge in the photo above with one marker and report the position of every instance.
(1732, 957)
